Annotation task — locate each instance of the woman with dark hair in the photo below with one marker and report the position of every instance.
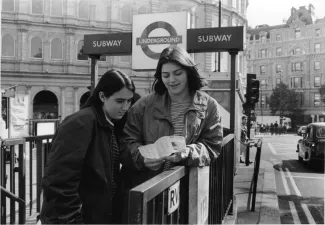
(176, 107)
(82, 174)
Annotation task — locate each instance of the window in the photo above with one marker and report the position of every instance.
(317, 65)
(297, 66)
(234, 3)
(278, 51)
(101, 11)
(125, 59)
(225, 22)
(36, 48)
(297, 33)
(224, 61)
(8, 45)
(8, 5)
(316, 81)
(56, 7)
(262, 53)
(80, 55)
(317, 99)
(83, 9)
(263, 39)
(215, 20)
(317, 32)
(262, 69)
(296, 82)
(56, 49)
(278, 37)
(297, 51)
(317, 48)
(126, 14)
(278, 81)
(300, 99)
(37, 6)
(278, 68)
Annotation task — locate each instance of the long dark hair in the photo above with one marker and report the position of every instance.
(179, 56)
(112, 81)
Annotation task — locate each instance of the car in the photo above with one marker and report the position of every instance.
(301, 130)
(311, 148)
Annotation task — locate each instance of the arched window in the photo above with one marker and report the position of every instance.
(8, 5)
(126, 14)
(56, 7)
(80, 55)
(83, 9)
(36, 48)
(56, 49)
(8, 45)
(37, 6)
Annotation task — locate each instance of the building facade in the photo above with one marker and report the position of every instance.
(42, 44)
(292, 53)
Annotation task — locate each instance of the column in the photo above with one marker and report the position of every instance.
(76, 99)
(30, 101)
(62, 105)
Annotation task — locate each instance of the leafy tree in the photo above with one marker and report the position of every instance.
(285, 101)
(322, 93)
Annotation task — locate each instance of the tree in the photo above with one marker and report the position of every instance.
(322, 93)
(285, 101)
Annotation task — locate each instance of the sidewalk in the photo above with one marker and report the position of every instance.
(266, 206)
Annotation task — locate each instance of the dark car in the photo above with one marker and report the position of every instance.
(312, 147)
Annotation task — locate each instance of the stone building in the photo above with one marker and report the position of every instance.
(42, 43)
(294, 53)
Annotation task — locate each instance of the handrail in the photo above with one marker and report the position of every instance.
(227, 139)
(12, 196)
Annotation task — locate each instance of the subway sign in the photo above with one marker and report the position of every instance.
(108, 44)
(216, 39)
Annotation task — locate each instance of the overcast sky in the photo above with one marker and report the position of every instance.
(272, 12)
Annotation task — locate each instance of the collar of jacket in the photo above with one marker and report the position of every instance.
(162, 105)
(101, 119)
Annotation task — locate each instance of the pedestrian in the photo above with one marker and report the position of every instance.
(82, 173)
(176, 107)
(243, 139)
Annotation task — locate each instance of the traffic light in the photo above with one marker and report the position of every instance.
(252, 89)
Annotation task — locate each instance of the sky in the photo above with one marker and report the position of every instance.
(272, 12)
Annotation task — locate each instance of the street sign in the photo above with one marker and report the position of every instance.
(215, 39)
(108, 44)
(173, 197)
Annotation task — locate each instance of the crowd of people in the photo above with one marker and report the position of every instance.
(273, 128)
(95, 160)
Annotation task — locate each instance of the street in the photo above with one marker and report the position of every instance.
(300, 190)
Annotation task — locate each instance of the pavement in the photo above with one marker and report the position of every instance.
(266, 204)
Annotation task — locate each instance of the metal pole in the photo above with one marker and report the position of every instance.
(233, 54)
(219, 26)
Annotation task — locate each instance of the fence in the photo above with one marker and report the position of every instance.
(148, 205)
(38, 146)
(148, 201)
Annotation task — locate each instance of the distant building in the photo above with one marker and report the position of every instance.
(42, 45)
(293, 53)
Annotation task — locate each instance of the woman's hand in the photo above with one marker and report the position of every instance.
(178, 156)
(154, 164)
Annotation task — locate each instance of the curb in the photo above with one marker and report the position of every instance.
(270, 211)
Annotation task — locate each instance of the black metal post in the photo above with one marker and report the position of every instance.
(219, 69)
(233, 54)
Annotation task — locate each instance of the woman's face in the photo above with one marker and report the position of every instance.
(117, 104)
(174, 78)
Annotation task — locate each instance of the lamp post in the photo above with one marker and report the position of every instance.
(280, 96)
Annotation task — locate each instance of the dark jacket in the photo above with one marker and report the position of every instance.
(149, 119)
(77, 184)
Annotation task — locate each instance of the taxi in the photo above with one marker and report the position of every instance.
(311, 147)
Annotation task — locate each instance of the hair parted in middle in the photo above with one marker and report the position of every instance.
(181, 57)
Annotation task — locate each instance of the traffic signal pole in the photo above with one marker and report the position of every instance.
(233, 55)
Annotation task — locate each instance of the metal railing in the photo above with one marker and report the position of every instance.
(38, 150)
(147, 202)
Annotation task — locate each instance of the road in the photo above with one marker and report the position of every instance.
(300, 189)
